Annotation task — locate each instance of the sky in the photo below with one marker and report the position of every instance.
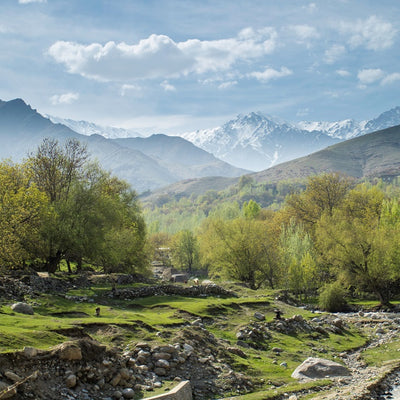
(173, 66)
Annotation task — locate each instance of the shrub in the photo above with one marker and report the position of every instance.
(332, 297)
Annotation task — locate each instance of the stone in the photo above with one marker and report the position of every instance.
(117, 394)
(128, 393)
(277, 350)
(188, 349)
(7, 394)
(237, 351)
(259, 316)
(124, 372)
(162, 363)
(116, 380)
(70, 351)
(70, 381)
(12, 377)
(162, 356)
(22, 308)
(317, 368)
(30, 352)
(160, 371)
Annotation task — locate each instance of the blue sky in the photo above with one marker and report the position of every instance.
(180, 65)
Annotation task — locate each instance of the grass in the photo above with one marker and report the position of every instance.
(124, 323)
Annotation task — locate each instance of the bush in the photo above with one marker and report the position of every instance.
(332, 297)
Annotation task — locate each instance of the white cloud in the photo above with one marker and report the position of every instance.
(304, 33)
(368, 76)
(227, 85)
(373, 33)
(343, 73)
(270, 73)
(168, 87)
(31, 1)
(334, 53)
(129, 88)
(391, 78)
(66, 98)
(158, 56)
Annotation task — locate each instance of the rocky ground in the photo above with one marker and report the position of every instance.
(84, 369)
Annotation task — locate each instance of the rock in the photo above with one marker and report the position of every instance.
(22, 308)
(162, 363)
(338, 323)
(116, 380)
(70, 381)
(117, 394)
(128, 393)
(317, 368)
(188, 349)
(259, 316)
(160, 371)
(70, 351)
(124, 372)
(283, 364)
(30, 352)
(277, 350)
(237, 351)
(162, 356)
(298, 318)
(12, 377)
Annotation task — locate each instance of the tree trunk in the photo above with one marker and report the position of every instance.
(53, 262)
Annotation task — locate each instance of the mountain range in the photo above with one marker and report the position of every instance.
(146, 163)
(373, 155)
(257, 141)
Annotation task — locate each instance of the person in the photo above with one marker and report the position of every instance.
(98, 312)
(278, 314)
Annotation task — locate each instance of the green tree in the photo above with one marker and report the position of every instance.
(239, 249)
(23, 210)
(361, 245)
(185, 251)
(322, 195)
(251, 209)
(299, 266)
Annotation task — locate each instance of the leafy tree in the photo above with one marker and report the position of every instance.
(251, 209)
(322, 195)
(360, 245)
(298, 260)
(239, 249)
(185, 251)
(23, 210)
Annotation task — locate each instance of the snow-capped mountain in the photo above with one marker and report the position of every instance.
(90, 128)
(257, 141)
(350, 128)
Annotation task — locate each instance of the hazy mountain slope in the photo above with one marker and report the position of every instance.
(22, 129)
(375, 154)
(90, 128)
(181, 157)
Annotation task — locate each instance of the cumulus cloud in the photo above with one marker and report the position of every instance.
(343, 73)
(391, 78)
(334, 53)
(31, 1)
(368, 76)
(66, 98)
(270, 73)
(373, 33)
(168, 87)
(158, 56)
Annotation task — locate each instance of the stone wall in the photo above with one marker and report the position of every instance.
(173, 290)
(181, 392)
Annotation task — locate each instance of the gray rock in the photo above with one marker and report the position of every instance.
(317, 368)
(22, 308)
(70, 381)
(12, 377)
(259, 316)
(30, 352)
(128, 393)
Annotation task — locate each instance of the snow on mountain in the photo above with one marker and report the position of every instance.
(256, 141)
(90, 128)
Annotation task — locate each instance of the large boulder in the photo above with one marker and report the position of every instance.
(22, 308)
(317, 368)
